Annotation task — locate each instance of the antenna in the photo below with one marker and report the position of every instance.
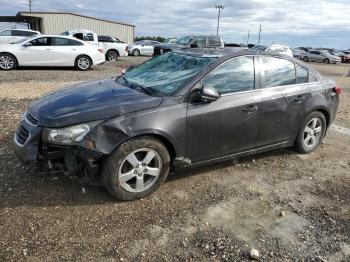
(30, 5)
(259, 34)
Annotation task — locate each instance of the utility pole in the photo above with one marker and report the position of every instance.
(218, 7)
(30, 5)
(259, 34)
(248, 37)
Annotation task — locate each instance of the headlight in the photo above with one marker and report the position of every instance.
(68, 135)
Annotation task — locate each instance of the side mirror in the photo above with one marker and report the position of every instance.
(206, 95)
(27, 44)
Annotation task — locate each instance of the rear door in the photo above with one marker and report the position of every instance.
(65, 51)
(39, 53)
(228, 125)
(283, 100)
(6, 37)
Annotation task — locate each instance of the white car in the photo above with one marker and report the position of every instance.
(112, 47)
(144, 47)
(8, 36)
(50, 50)
(274, 48)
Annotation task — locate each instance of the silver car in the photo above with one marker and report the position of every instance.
(144, 47)
(321, 56)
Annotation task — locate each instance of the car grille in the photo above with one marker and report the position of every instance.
(22, 134)
(32, 120)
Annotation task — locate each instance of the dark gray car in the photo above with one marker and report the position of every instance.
(177, 109)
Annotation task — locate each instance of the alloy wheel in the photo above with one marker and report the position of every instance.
(312, 132)
(140, 170)
(83, 63)
(112, 56)
(6, 62)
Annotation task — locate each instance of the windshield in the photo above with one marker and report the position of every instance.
(184, 40)
(169, 41)
(165, 74)
(24, 39)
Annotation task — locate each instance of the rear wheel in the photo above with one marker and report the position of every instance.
(136, 52)
(136, 169)
(326, 61)
(112, 55)
(311, 133)
(306, 59)
(83, 63)
(7, 61)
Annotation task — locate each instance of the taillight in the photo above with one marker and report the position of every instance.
(126, 49)
(100, 50)
(337, 90)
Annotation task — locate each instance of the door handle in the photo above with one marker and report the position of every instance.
(251, 108)
(48, 49)
(74, 49)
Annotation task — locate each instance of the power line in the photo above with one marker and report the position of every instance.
(218, 7)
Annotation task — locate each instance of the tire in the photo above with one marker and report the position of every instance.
(112, 55)
(7, 62)
(83, 63)
(306, 59)
(131, 161)
(326, 61)
(308, 139)
(136, 52)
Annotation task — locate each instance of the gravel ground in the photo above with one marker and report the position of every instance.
(289, 207)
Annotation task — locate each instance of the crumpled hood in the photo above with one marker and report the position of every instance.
(89, 101)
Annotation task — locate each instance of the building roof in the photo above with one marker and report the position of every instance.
(29, 14)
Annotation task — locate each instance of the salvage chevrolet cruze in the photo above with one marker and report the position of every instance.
(180, 108)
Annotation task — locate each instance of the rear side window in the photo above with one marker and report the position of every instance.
(301, 74)
(6, 33)
(214, 41)
(22, 33)
(58, 41)
(278, 72)
(42, 41)
(235, 75)
(89, 37)
(200, 40)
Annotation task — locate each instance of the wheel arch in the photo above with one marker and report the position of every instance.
(9, 53)
(113, 49)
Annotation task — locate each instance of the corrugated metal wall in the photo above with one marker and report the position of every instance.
(56, 23)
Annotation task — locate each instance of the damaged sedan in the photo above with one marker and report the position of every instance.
(177, 109)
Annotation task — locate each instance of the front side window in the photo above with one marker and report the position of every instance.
(43, 41)
(186, 40)
(235, 75)
(214, 41)
(89, 37)
(200, 41)
(6, 33)
(278, 72)
(165, 74)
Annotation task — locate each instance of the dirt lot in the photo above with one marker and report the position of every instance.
(290, 207)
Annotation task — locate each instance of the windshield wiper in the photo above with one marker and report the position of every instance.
(125, 80)
(144, 89)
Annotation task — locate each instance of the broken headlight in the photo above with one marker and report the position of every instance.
(68, 135)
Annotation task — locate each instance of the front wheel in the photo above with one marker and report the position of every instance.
(306, 59)
(326, 61)
(136, 52)
(83, 63)
(7, 62)
(311, 133)
(136, 169)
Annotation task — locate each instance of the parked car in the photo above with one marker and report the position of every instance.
(306, 49)
(321, 56)
(177, 109)
(201, 41)
(143, 47)
(50, 50)
(343, 56)
(347, 56)
(274, 49)
(8, 36)
(112, 48)
(298, 53)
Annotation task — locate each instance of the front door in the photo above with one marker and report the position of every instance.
(228, 125)
(39, 53)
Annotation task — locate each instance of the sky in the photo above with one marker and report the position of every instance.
(316, 23)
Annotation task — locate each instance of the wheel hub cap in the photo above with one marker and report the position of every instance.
(312, 132)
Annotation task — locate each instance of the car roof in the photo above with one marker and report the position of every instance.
(20, 29)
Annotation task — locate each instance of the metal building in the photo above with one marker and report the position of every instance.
(58, 22)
